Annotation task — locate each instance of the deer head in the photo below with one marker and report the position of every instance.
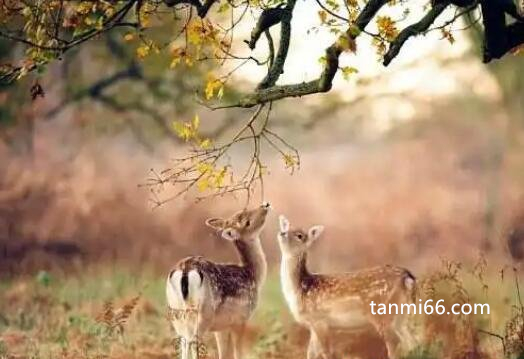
(294, 242)
(243, 225)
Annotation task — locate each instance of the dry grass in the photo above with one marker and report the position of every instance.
(100, 315)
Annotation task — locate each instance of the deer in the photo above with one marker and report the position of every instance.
(326, 302)
(204, 296)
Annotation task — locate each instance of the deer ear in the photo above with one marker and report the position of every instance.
(215, 223)
(284, 223)
(314, 232)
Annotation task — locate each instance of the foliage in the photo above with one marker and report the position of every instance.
(205, 32)
(207, 167)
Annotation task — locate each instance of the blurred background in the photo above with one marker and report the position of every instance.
(402, 165)
(406, 165)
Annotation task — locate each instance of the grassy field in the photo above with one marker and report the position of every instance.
(57, 316)
(48, 317)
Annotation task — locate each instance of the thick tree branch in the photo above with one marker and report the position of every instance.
(267, 91)
(413, 30)
(499, 38)
(368, 13)
(271, 46)
(277, 65)
(515, 35)
(267, 19)
(322, 84)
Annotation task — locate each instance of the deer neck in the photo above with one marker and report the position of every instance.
(294, 271)
(252, 257)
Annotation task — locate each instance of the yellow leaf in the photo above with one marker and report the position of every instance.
(289, 160)
(194, 32)
(347, 71)
(178, 54)
(85, 7)
(387, 27)
(213, 84)
(144, 15)
(203, 184)
(219, 177)
(174, 62)
(220, 92)
(183, 130)
(196, 122)
(189, 61)
(323, 16)
(204, 167)
(142, 51)
(205, 144)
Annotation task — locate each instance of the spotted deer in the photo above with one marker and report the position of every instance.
(323, 302)
(204, 296)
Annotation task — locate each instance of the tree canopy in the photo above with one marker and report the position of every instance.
(208, 31)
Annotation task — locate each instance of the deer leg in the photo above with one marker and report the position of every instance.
(404, 330)
(237, 337)
(197, 347)
(313, 348)
(222, 339)
(320, 341)
(391, 338)
(184, 348)
(393, 341)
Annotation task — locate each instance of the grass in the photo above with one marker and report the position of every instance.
(45, 316)
(57, 316)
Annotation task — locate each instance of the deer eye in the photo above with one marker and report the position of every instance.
(248, 222)
(300, 236)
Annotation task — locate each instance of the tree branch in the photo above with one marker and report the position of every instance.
(515, 35)
(277, 66)
(368, 12)
(413, 30)
(322, 84)
(267, 19)
(267, 92)
(499, 38)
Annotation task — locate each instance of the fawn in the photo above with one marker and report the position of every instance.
(204, 296)
(322, 302)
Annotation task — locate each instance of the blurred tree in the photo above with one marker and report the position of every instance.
(512, 101)
(141, 93)
(511, 87)
(204, 31)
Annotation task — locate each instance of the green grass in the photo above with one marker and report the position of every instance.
(49, 316)
(57, 314)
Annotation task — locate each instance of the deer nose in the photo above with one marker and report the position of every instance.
(266, 205)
